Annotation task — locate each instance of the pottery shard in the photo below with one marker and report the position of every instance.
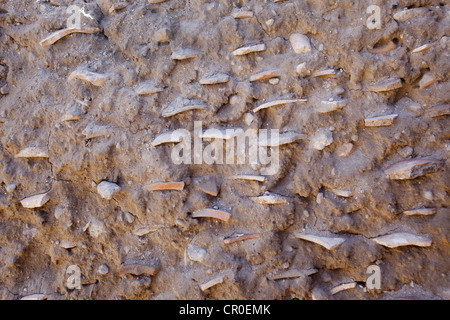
(427, 80)
(330, 106)
(36, 296)
(170, 137)
(323, 73)
(215, 281)
(147, 88)
(107, 190)
(439, 111)
(384, 48)
(240, 237)
(277, 103)
(183, 105)
(420, 212)
(137, 269)
(380, 121)
(95, 131)
(211, 213)
(35, 201)
(283, 138)
(156, 1)
(269, 198)
(161, 186)
(413, 168)
(327, 242)
(215, 79)
(386, 85)
(249, 49)
(403, 239)
(96, 79)
(300, 43)
(55, 36)
(275, 73)
(342, 287)
(207, 185)
(184, 54)
(292, 273)
(33, 152)
(241, 14)
(248, 177)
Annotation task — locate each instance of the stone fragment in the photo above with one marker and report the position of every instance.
(300, 43)
(277, 103)
(183, 105)
(67, 244)
(274, 81)
(103, 269)
(420, 212)
(170, 137)
(36, 296)
(248, 177)
(399, 239)
(327, 242)
(240, 237)
(380, 121)
(211, 213)
(249, 49)
(242, 14)
(107, 190)
(55, 36)
(162, 35)
(35, 201)
(427, 80)
(11, 187)
(96, 79)
(269, 198)
(147, 88)
(302, 70)
(270, 22)
(4, 90)
(292, 273)
(283, 138)
(324, 73)
(138, 269)
(33, 152)
(386, 85)
(184, 54)
(275, 73)
(342, 287)
(344, 150)
(405, 152)
(413, 168)
(407, 14)
(439, 111)
(215, 79)
(331, 105)
(161, 186)
(321, 139)
(196, 253)
(206, 184)
(384, 48)
(156, 1)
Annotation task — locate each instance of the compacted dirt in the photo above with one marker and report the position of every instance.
(79, 117)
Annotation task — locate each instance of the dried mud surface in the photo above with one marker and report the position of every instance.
(135, 44)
